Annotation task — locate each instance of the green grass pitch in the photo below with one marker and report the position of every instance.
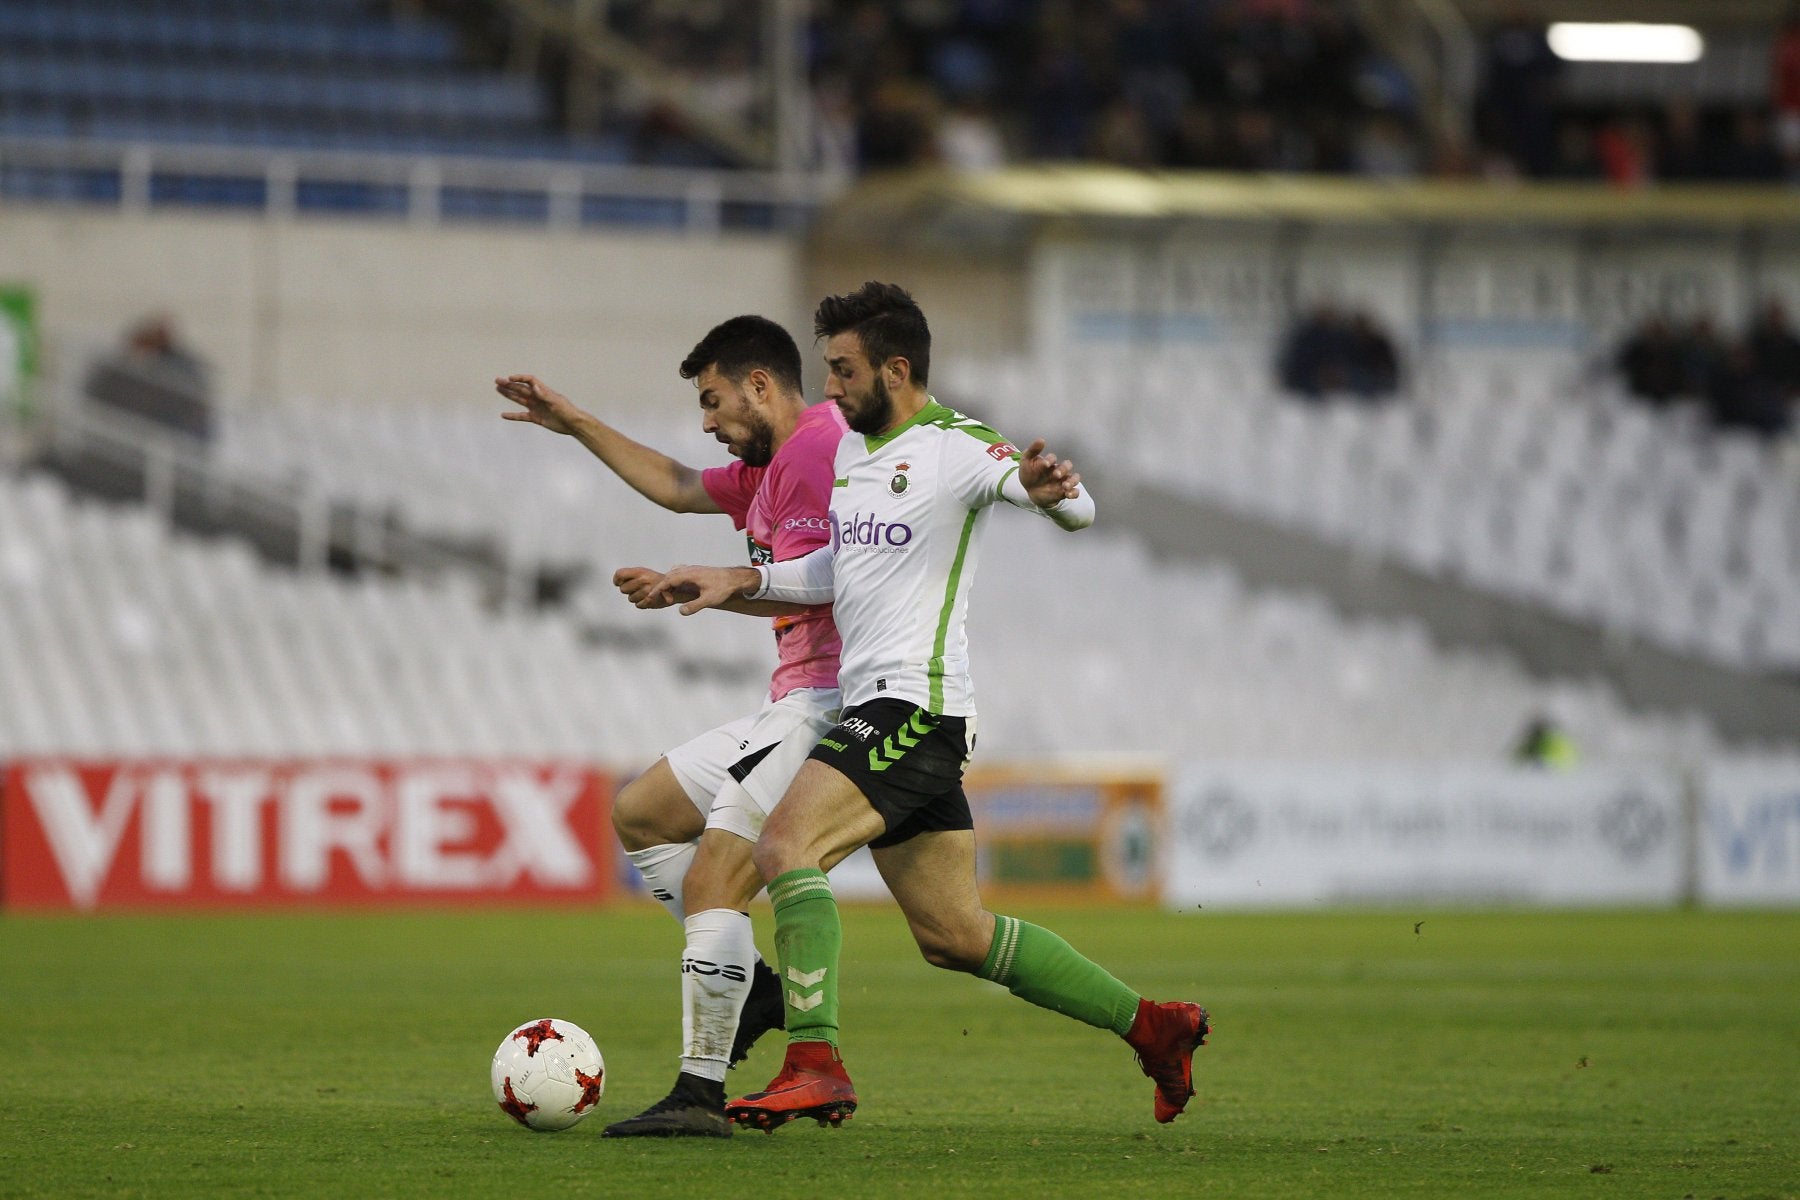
(1402, 1053)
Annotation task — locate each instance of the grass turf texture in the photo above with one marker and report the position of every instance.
(1377, 1054)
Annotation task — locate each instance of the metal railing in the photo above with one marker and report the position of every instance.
(293, 521)
(136, 176)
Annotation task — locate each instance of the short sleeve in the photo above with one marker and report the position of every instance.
(976, 462)
(732, 488)
(801, 504)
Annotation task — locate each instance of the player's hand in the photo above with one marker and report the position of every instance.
(1047, 481)
(710, 587)
(543, 404)
(636, 583)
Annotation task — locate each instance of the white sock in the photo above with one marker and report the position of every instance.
(715, 981)
(664, 868)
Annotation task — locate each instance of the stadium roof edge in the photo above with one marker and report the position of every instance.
(1006, 206)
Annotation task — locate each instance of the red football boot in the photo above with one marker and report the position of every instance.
(1165, 1037)
(812, 1083)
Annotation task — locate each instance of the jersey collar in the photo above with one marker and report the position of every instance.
(925, 416)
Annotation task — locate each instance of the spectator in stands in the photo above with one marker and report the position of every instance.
(1315, 353)
(1147, 41)
(1651, 361)
(1546, 744)
(1776, 346)
(1329, 352)
(1386, 149)
(898, 126)
(1196, 143)
(1684, 155)
(1742, 395)
(1757, 387)
(1704, 352)
(1575, 157)
(1750, 155)
(1626, 150)
(831, 135)
(155, 377)
(1785, 90)
(1062, 92)
(1518, 90)
(1747, 383)
(1120, 136)
(1374, 363)
(967, 137)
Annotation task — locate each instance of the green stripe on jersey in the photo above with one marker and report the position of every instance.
(840, 483)
(1000, 488)
(948, 418)
(935, 669)
(925, 416)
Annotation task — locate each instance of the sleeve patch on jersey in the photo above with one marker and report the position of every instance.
(1001, 451)
(837, 483)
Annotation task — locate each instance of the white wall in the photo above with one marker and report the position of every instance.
(333, 308)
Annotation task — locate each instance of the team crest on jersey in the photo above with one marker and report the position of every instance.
(900, 482)
(1001, 451)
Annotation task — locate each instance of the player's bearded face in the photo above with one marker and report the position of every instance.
(740, 425)
(872, 411)
(755, 443)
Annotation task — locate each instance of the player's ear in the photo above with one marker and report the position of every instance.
(898, 370)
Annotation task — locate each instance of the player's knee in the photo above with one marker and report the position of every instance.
(642, 819)
(953, 952)
(769, 854)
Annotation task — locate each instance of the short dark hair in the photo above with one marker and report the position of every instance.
(741, 345)
(887, 320)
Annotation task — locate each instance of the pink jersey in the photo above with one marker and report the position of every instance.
(784, 510)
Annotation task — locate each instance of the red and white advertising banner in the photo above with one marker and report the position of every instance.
(214, 833)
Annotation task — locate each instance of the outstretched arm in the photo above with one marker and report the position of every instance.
(637, 583)
(651, 473)
(704, 587)
(1051, 487)
(804, 580)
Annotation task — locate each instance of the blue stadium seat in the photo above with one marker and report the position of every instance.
(300, 74)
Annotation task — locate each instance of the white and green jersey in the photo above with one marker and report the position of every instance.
(907, 513)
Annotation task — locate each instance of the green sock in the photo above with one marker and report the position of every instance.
(808, 936)
(1034, 964)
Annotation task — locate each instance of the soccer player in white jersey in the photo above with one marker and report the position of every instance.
(915, 482)
(688, 821)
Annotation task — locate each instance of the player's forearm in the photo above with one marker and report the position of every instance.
(762, 608)
(804, 580)
(1071, 513)
(651, 473)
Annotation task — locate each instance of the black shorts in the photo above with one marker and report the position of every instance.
(906, 762)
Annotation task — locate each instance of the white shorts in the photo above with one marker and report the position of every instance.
(736, 773)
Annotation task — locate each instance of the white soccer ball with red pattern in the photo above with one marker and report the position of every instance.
(548, 1074)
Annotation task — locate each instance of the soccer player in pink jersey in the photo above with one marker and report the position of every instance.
(688, 823)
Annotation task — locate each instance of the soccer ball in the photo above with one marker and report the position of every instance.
(548, 1074)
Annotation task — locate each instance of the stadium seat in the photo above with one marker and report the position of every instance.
(1515, 475)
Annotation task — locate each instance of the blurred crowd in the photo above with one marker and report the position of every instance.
(1523, 127)
(1238, 85)
(1261, 85)
(1750, 381)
